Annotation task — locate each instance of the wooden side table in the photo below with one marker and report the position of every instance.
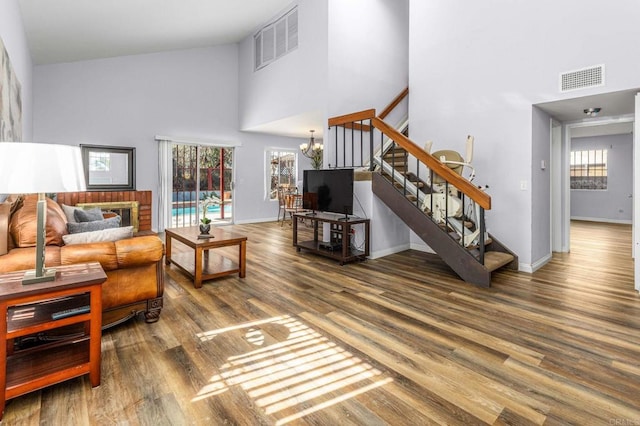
(73, 301)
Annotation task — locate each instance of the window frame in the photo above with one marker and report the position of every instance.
(271, 192)
(595, 169)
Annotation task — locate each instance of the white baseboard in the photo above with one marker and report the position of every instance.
(602, 220)
(386, 252)
(258, 220)
(532, 267)
(421, 247)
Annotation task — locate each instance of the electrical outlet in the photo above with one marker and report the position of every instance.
(523, 185)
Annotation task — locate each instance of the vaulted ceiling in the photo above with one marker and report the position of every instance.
(76, 30)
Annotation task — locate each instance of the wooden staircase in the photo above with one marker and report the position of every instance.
(391, 156)
(465, 261)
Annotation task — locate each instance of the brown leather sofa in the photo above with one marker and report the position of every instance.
(134, 266)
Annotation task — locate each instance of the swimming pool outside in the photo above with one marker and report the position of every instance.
(188, 216)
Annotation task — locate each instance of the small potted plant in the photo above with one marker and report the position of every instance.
(205, 222)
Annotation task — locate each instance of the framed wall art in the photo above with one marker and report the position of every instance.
(10, 100)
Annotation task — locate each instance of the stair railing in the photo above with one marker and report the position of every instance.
(423, 177)
(362, 140)
(352, 139)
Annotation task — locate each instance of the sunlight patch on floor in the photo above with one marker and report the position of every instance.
(292, 372)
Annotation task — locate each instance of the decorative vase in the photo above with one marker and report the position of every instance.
(205, 228)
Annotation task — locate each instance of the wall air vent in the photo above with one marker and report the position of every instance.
(276, 39)
(582, 78)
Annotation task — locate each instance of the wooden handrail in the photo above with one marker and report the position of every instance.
(350, 121)
(462, 184)
(393, 104)
(353, 117)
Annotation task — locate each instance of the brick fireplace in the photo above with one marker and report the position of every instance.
(127, 210)
(124, 203)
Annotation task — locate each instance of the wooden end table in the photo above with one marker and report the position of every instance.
(198, 263)
(29, 311)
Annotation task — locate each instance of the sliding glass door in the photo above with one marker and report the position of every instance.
(201, 180)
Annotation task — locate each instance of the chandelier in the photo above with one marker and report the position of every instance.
(313, 150)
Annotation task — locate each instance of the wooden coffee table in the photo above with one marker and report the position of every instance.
(198, 263)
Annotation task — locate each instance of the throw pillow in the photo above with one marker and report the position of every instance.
(69, 212)
(23, 223)
(5, 213)
(109, 234)
(88, 215)
(96, 225)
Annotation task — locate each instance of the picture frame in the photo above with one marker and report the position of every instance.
(109, 168)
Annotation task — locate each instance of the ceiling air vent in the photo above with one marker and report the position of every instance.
(583, 78)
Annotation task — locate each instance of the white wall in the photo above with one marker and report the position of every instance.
(15, 41)
(126, 101)
(613, 204)
(388, 233)
(540, 188)
(478, 67)
(368, 54)
(292, 85)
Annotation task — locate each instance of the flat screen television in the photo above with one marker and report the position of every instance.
(328, 190)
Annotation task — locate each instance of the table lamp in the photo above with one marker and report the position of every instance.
(27, 168)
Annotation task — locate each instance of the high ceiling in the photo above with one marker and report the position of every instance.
(75, 30)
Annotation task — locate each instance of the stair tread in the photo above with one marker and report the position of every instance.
(496, 259)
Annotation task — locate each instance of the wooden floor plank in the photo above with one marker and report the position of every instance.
(390, 341)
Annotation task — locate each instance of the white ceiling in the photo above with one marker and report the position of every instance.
(614, 104)
(76, 30)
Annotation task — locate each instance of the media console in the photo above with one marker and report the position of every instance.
(339, 245)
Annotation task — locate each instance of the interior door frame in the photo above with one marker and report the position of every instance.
(562, 215)
(636, 192)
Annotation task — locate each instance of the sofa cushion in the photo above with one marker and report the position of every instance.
(96, 225)
(5, 215)
(15, 202)
(109, 234)
(23, 223)
(139, 251)
(88, 215)
(69, 212)
(21, 259)
(103, 252)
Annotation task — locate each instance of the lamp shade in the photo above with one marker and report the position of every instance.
(27, 168)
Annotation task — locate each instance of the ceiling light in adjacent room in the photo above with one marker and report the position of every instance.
(592, 112)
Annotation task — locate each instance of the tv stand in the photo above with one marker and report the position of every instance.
(339, 246)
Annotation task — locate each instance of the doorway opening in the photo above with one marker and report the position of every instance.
(619, 113)
(615, 135)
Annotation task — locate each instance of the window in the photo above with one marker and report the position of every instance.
(282, 167)
(276, 39)
(588, 169)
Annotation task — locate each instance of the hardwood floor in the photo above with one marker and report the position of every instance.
(398, 340)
